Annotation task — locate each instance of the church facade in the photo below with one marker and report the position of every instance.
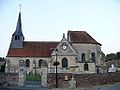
(78, 53)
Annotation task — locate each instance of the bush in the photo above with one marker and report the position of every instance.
(56, 63)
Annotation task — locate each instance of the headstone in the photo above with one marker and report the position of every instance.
(72, 83)
(112, 68)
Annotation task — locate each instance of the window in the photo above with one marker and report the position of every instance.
(93, 57)
(64, 63)
(83, 57)
(86, 67)
(17, 37)
(27, 63)
(39, 63)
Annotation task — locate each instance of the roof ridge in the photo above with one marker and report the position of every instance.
(43, 41)
(76, 31)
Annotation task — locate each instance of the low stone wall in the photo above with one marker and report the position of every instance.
(83, 79)
(2, 80)
(51, 79)
(9, 79)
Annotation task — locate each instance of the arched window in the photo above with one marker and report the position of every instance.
(86, 67)
(64, 63)
(40, 63)
(27, 63)
(83, 57)
(93, 57)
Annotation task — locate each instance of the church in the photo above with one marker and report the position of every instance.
(78, 53)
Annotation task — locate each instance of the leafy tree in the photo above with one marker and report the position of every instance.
(2, 67)
(0, 58)
(2, 70)
(110, 56)
(117, 56)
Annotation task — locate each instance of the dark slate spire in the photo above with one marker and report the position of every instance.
(17, 37)
(18, 31)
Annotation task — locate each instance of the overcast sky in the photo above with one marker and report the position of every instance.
(47, 20)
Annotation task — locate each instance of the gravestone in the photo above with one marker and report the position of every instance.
(112, 68)
(72, 83)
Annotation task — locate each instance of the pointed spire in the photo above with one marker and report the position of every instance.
(18, 31)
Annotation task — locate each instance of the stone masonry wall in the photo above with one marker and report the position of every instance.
(83, 79)
(9, 79)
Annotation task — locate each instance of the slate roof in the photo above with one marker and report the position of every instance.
(81, 37)
(18, 31)
(33, 49)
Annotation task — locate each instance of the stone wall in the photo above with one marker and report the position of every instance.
(14, 62)
(83, 79)
(61, 79)
(2, 79)
(9, 79)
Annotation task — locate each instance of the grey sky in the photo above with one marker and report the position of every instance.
(47, 20)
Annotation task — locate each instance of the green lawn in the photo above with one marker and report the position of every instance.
(33, 77)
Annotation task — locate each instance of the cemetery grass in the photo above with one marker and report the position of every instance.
(33, 77)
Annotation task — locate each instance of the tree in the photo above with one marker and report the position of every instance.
(110, 56)
(2, 66)
(117, 56)
(2, 70)
(1, 59)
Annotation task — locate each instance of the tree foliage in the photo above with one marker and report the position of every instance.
(117, 55)
(110, 56)
(113, 56)
(2, 66)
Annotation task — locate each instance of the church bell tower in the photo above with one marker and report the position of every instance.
(17, 37)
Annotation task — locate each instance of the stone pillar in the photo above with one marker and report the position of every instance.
(22, 79)
(22, 73)
(49, 65)
(44, 77)
(7, 67)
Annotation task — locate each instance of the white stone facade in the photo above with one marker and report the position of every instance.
(73, 54)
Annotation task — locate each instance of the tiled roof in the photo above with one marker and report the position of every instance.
(81, 37)
(33, 49)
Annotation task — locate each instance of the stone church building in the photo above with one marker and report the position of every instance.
(78, 53)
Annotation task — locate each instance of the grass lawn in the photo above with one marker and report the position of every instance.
(33, 77)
